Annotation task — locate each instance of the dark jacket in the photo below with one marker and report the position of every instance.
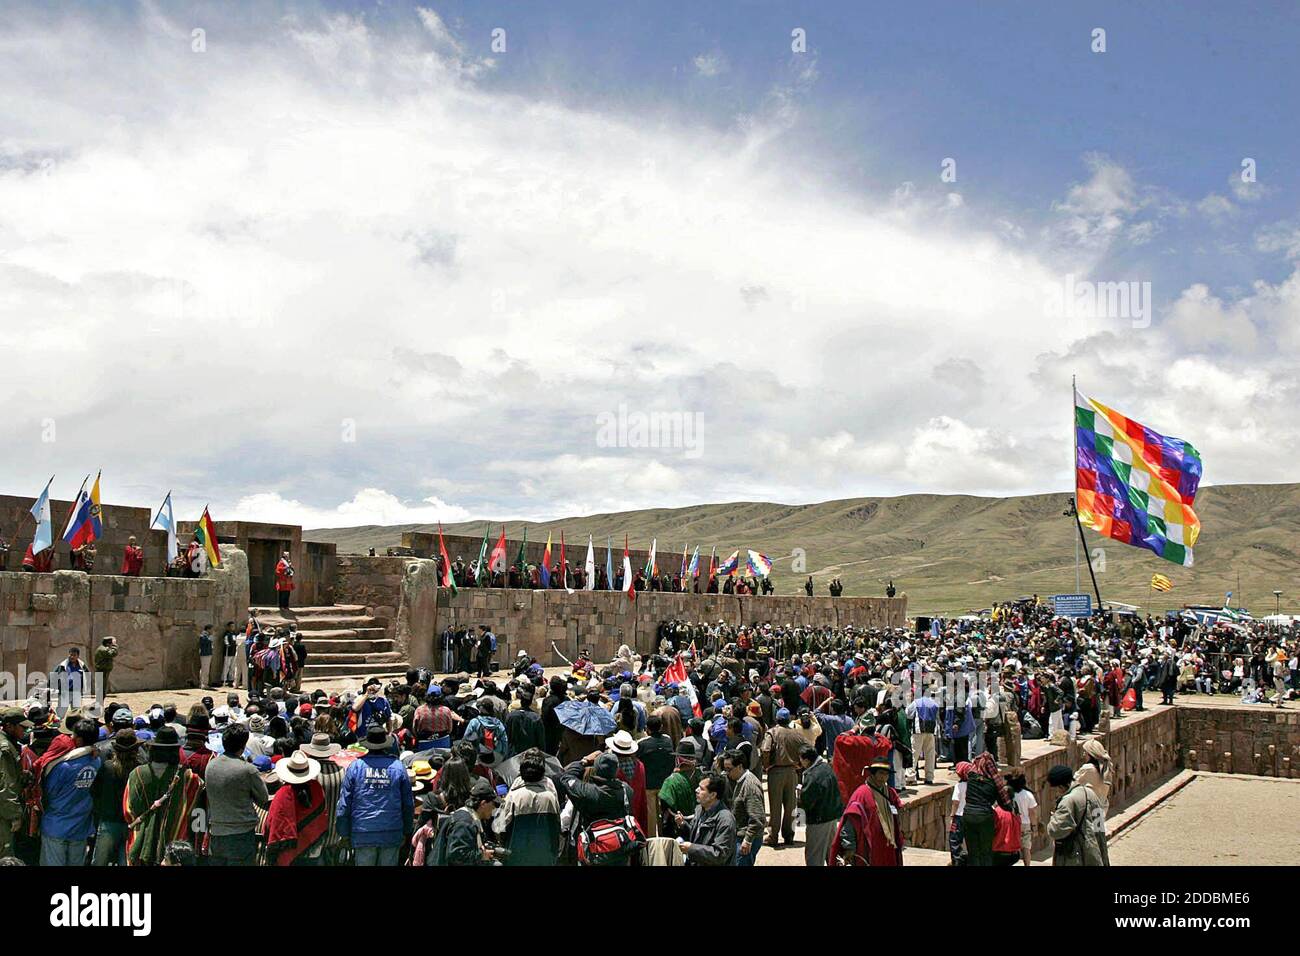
(551, 723)
(524, 730)
(657, 754)
(595, 799)
(712, 835)
(820, 795)
(460, 840)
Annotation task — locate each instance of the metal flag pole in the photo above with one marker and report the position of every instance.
(1074, 471)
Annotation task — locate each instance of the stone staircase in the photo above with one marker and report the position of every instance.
(342, 641)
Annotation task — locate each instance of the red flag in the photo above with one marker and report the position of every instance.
(445, 580)
(497, 560)
(629, 586)
(564, 565)
(675, 673)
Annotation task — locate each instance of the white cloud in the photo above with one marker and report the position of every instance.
(368, 506)
(324, 261)
(712, 64)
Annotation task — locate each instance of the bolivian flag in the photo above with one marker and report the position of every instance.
(206, 532)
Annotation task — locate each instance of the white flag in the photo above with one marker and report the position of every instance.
(44, 536)
(165, 522)
(590, 567)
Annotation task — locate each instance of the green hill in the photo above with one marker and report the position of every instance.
(953, 553)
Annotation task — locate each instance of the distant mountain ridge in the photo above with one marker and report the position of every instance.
(950, 553)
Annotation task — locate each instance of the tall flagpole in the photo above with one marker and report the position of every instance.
(1074, 471)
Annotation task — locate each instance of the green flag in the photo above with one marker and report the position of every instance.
(480, 571)
(521, 560)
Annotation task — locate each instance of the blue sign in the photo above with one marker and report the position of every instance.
(1072, 605)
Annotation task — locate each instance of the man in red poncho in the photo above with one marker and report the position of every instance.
(284, 580)
(871, 831)
(132, 559)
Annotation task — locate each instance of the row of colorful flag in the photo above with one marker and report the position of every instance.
(494, 561)
(85, 523)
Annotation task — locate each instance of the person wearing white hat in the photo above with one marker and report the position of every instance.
(632, 772)
(297, 823)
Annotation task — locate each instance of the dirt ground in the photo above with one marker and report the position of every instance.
(1216, 821)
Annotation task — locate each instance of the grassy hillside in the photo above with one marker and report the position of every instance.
(957, 552)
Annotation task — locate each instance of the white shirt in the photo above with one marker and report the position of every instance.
(1025, 801)
(959, 798)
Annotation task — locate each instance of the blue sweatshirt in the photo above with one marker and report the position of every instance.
(69, 805)
(375, 805)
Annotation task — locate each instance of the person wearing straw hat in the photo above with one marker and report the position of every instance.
(323, 751)
(376, 809)
(297, 823)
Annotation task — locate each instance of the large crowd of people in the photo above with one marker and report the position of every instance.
(702, 752)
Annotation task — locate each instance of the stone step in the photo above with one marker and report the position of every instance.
(310, 625)
(358, 645)
(325, 610)
(337, 657)
(313, 671)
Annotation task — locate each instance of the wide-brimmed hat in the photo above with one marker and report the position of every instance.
(9, 715)
(421, 773)
(166, 737)
(622, 743)
(125, 740)
(320, 747)
(297, 768)
(377, 738)
(70, 720)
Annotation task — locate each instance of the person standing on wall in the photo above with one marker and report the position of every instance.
(132, 559)
(284, 580)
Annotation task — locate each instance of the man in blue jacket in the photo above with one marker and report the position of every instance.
(68, 818)
(376, 810)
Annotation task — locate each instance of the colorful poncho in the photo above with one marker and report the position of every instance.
(157, 808)
(294, 828)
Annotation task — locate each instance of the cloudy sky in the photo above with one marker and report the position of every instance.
(340, 264)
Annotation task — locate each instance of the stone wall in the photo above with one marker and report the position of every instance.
(402, 593)
(1144, 748)
(424, 544)
(1246, 739)
(155, 620)
(118, 523)
(602, 620)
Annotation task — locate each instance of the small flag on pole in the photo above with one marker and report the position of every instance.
(206, 532)
(445, 578)
(165, 522)
(546, 562)
(1161, 583)
(759, 565)
(589, 569)
(44, 536)
(629, 586)
(84, 524)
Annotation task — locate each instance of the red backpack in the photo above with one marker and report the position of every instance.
(611, 842)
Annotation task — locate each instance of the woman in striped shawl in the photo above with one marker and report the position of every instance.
(159, 798)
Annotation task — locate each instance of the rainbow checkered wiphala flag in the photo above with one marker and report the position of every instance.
(1133, 484)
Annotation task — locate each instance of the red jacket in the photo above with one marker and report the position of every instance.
(43, 562)
(132, 561)
(853, 754)
(283, 576)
